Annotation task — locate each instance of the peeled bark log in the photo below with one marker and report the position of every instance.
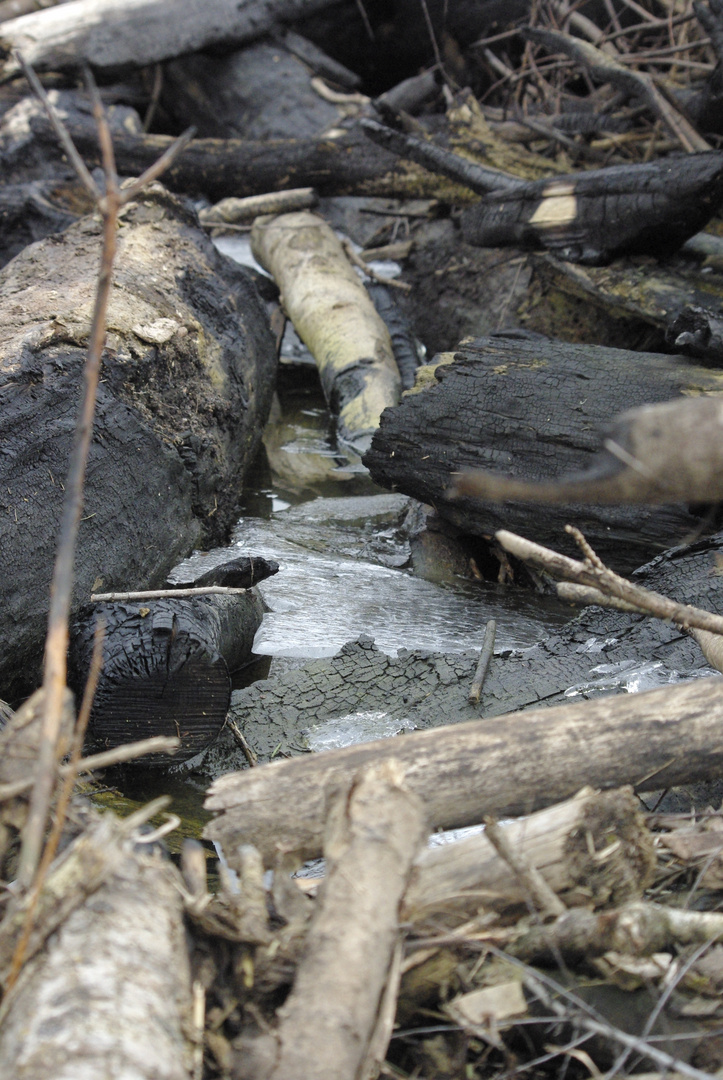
(562, 843)
(507, 766)
(335, 318)
(534, 409)
(187, 380)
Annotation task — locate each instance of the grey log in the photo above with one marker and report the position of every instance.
(188, 374)
(508, 766)
(109, 34)
(111, 994)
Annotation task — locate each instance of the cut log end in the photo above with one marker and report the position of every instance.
(190, 702)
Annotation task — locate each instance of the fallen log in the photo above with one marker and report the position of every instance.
(589, 217)
(511, 765)
(188, 375)
(563, 843)
(374, 830)
(111, 993)
(108, 34)
(531, 407)
(166, 667)
(347, 164)
(335, 318)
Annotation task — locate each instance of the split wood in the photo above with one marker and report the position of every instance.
(374, 829)
(460, 878)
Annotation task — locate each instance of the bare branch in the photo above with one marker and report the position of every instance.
(608, 583)
(61, 131)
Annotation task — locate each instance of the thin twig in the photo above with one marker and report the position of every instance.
(488, 647)
(61, 131)
(545, 899)
(240, 738)
(609, 583)
(61, 809)
(164, 594)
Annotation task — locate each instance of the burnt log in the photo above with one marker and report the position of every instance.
(188, 375)
(260, 92)
(166, 667)
(345, 165)
(533, 409)
(591, 217)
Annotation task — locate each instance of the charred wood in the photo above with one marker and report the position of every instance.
(260, 92)
(188, 377)
(532, 408)
(590, 217)
(343, 165)
(166, 667)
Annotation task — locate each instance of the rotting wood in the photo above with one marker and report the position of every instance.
(334, 317)
(20, 740)
(564, 843)
(535, 407)
(509, 765)
(108, 34)
(188, 377)
(373, 832)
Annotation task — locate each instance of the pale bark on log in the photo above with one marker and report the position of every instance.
(335, 318)
(563, 843)
(109, 34)
(111, 994)
(374, 830)
(511, 765)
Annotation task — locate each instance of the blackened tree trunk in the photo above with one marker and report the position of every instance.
(535, 409)
(188, 375)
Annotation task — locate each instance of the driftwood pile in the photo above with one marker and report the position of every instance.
(543, 941)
